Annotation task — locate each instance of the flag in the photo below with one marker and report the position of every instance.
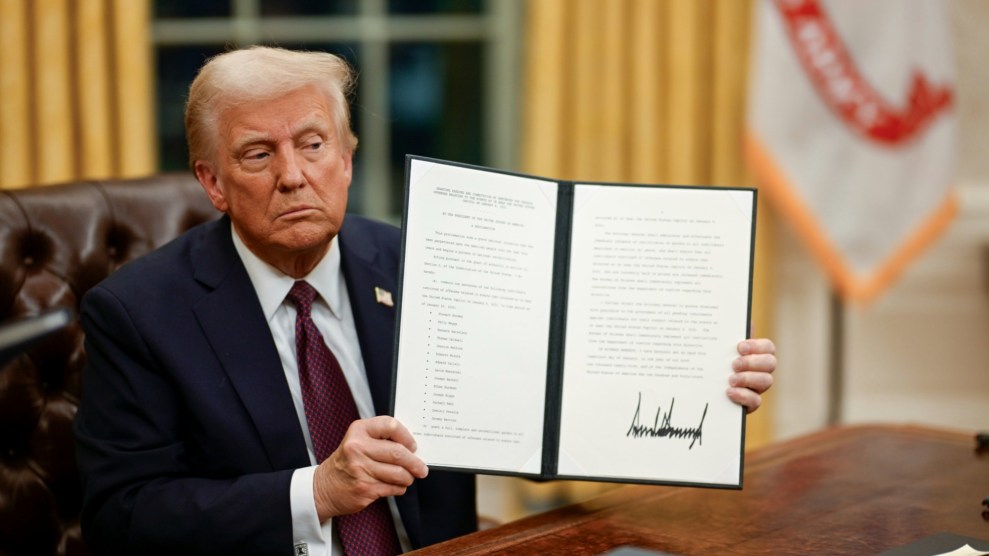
(852, 130)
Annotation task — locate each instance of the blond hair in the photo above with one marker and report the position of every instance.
(260, 73)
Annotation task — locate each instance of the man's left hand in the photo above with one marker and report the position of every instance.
(753, 372)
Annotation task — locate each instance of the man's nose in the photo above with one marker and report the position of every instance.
(288, 171)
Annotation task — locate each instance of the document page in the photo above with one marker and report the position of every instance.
(475, 309)
(658, 300)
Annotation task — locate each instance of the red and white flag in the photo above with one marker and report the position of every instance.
(852, 129)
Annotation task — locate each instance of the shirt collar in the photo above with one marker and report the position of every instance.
(272, 285)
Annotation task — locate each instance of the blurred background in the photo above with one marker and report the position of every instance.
(651, 91)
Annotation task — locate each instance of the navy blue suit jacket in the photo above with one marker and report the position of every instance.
(186, 434)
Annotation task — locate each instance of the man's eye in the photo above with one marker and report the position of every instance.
(315, 146)
(258, 155)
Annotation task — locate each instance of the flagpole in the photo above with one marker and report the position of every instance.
(836, 363)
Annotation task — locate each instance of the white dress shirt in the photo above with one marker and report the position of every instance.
(333, 317)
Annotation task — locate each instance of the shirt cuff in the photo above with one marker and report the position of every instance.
(306, 528)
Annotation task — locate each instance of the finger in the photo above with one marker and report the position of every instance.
(390, 474)
(359, 451)
(393, 454)
(364, 463)
(762, 363)
(756, 345)
(389, 428)
(757, 382)
(370, 472)
(745, 397)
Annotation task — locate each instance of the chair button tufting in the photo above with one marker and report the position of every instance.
(78, 232)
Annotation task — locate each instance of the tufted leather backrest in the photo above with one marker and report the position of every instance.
(56, 242)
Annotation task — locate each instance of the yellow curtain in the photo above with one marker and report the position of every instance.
(648, 91)
(76, 97)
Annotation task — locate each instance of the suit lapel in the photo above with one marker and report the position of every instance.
(234, 324)
(375, 321)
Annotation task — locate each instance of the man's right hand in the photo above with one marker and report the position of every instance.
(375, 459)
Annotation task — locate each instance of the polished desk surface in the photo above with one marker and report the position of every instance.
(853, 490)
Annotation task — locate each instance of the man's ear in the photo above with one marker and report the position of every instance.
(211, 184)
(348, 165)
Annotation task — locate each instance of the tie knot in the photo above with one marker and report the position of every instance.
(302, 296)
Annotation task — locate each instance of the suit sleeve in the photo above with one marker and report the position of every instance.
(141, 494)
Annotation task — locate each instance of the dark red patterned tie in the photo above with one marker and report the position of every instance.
(330, 409)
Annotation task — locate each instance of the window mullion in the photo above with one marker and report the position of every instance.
(376, 120)
(246, 20)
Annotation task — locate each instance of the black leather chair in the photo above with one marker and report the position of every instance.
(56, 242)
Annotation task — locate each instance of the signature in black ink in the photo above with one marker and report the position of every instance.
(665, 429)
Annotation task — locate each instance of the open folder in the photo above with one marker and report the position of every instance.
(559, 329)
(18, 335)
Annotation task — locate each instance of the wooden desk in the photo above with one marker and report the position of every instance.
(855, 490)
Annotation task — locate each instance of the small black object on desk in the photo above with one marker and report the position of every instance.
(982, 442)
(982, 446)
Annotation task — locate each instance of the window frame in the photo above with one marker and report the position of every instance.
(498, 28)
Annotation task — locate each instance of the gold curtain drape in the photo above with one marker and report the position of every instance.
(76, 96)
(649, 91)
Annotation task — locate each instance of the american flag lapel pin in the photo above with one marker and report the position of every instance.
(383, 297)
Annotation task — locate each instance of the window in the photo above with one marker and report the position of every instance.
(437, 78)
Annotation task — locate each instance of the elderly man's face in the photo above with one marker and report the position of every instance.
(282, 175)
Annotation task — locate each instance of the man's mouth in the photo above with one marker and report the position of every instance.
(296, 211)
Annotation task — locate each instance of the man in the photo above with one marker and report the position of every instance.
(198, 430)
